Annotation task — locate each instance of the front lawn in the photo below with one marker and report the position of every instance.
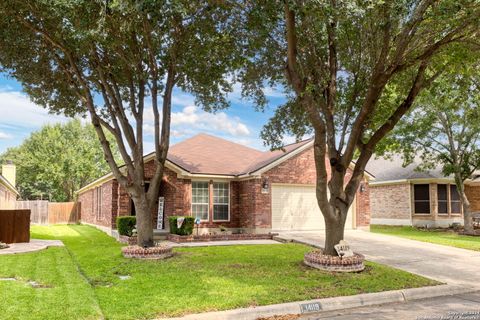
(445, 237)
(85, 284)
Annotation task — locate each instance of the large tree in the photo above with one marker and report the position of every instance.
(57, 160)
(352, 70)
(112, 60)
(444, 131)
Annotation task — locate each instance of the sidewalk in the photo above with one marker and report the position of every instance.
(33, 245)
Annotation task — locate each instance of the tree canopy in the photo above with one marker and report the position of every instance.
(119, 61)
(57, 160)
(444, 131)
(351, 70)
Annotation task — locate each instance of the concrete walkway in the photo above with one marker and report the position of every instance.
(222, 243)
(446, 264)
(33, 245)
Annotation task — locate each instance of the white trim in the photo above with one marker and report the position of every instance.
(412, 181)
(213, 202)
(391, 222)
(294, 184)
(208, 203)
(279, 160)
(8, 185)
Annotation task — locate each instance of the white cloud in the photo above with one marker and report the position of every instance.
(199, 119)
(192, 119)
(4, 136)
(16, 110)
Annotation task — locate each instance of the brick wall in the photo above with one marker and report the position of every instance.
(299, 169)
(249, 207)
(390, 201)
(109, 205)
(473, 195)
(7, 198)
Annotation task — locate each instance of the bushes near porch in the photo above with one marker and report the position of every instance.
(185, 229)
(126, 224)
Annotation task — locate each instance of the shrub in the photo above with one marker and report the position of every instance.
(186, 228)
(125, 225)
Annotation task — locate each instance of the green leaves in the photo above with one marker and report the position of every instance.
(57, 160)
(444, 129)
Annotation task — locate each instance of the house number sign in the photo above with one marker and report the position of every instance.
(161, 204)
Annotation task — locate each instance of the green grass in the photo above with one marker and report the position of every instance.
(445, 237)
(85, 285)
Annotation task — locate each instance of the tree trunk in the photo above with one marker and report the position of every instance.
(144, 221)
(334, 232)
(467, 215)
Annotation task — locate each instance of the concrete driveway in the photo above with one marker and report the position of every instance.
(446, 264)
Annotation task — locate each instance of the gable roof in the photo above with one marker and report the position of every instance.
(8, 185)
(392, 169)
(207, 155)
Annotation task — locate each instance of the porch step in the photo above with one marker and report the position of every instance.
(160, 234)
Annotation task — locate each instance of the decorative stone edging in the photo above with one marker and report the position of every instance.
(316, 259)
(160, 252)
(221, 237)
(131, 241)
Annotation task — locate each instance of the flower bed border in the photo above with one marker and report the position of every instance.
(316, 259)
(131, 241)
(221, 237)
(151, 253)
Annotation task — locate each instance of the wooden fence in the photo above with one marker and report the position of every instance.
(44, 212)
(14, 226)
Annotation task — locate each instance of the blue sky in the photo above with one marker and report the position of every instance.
(240, 123)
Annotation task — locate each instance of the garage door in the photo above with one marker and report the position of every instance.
(295, 207)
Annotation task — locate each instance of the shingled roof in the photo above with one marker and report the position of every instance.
(206, 154)
(393, 170)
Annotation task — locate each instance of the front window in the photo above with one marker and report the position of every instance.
(421, 198)
(455, 206)
(220, 201)
(442, 199)
(200, 197)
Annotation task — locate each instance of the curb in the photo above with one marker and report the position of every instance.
(331, 304)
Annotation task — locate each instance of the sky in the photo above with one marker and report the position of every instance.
(19, 117)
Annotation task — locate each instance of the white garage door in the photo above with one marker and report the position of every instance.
(295, 207)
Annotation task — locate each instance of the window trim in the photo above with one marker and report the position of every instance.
(213, 202)
(450, 201)
(208, 203)
(99, 199)
(429, 200)
(447, 189)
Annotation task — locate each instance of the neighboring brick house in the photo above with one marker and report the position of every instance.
(8, 192)
(406, 196)
(227, 184)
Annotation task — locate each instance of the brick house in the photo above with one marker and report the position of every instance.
(8, 192)
(406, 196)
(226, 184)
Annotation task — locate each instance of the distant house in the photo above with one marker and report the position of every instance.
(227, 184)
(406, 196)
(8, 192)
